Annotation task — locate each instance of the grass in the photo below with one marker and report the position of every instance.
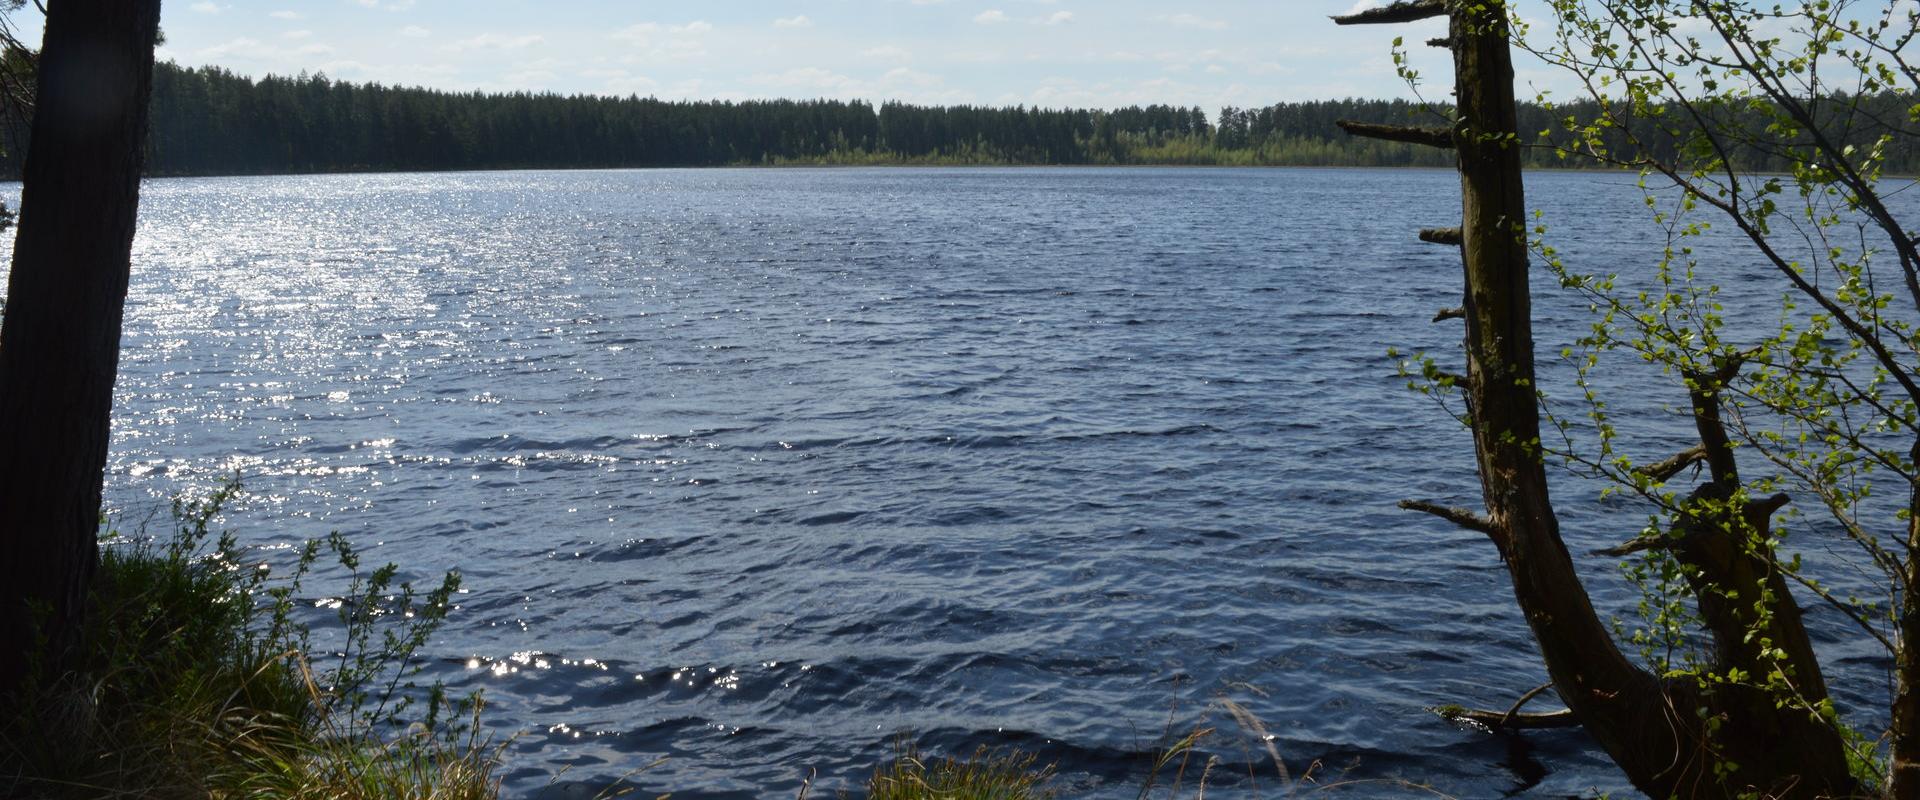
(194, 680)
(987, 775)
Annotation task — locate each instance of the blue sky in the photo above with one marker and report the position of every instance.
(1047, 52)
(1081, 53)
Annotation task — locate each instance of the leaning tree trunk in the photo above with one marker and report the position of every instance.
(1904, 780)
(60, 340)
(1670, 737)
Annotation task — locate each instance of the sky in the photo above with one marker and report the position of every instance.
(1079, 53)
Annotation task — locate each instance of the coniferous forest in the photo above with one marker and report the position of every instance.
(209, 121)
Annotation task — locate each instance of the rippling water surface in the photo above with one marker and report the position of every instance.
(759, 471)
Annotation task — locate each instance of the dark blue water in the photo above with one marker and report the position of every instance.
(758, 471)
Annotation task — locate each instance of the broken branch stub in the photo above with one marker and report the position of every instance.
(1403, 11)
(1410, 134)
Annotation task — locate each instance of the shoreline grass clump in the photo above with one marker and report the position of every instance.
(195, 678)
(986, 775)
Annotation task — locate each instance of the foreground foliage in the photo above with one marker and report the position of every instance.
(198, 679)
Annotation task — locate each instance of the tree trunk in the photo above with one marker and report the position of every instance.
(1621, 705)
(60, 340)
(1672, 738)
(1903, 781)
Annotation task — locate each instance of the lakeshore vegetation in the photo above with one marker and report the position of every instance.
(210, 121)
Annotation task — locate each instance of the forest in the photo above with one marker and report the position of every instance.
(210, 121)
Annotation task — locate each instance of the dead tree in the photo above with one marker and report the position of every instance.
(1673, 737)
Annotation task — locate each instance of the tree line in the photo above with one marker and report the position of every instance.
(211, 121)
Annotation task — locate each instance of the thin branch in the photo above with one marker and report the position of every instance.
(1665, 470)
(1638, 544)
(1523, 701)
(1498, 721)
(1458, 516)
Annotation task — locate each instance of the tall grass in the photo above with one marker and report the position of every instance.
(195, 679)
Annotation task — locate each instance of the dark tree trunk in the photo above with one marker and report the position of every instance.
(60, 341)
(1903, 783)
(1672, 738)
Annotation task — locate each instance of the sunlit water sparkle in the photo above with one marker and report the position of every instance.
(757, 470)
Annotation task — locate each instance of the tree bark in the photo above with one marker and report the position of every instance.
(1672, 738)
(1621, 705)
(1903, 780)
(60, 339)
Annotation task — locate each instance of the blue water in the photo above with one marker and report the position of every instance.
(760, 471)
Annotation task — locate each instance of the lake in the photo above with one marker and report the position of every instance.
(760, 471)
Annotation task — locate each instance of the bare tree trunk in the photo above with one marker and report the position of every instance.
(1670, 737)
(60, 340)
(1903, 781)
(1621, 705)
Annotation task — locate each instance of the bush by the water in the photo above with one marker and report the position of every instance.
(195, 678)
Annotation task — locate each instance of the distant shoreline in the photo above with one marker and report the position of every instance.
(802, 166)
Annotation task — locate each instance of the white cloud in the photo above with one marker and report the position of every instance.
(415, 32)
(1194, 21)
(207, 7)
(646, 32)
(244, 46)
(806, 79)
(1056, 18)
(288, 15)
(1362, 5)
(494, 41)
(903, 76)
(620, 81)
(799, 21)
(247, 48)
(296, 34)
(991, 17)
(652, 41)
(887, 52)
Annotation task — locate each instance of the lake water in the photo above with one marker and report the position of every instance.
(760, 471)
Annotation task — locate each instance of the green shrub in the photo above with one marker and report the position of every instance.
(196, 680)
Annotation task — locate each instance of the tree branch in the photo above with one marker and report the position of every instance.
(1411, 134)
(1458, 516)
(1665, 470)
(1638, 544)
(1497, 721)
(1403, 11)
